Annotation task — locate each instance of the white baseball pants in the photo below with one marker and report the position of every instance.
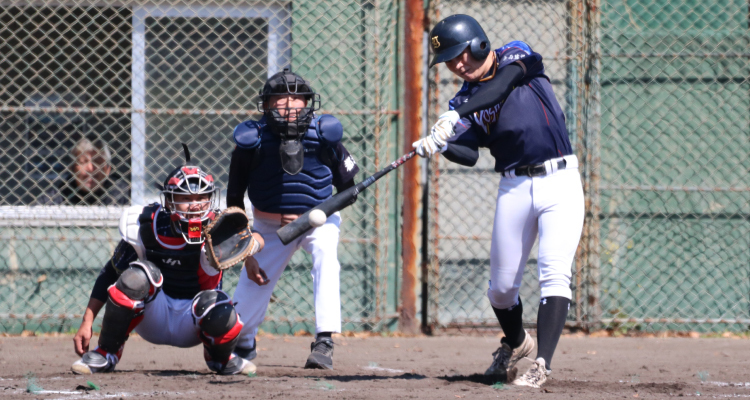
(551, 206)
(251, 300)
(169, 321)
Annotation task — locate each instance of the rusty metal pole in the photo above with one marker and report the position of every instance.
(413, 30)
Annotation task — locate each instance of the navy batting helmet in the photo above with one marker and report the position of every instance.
(451, 36)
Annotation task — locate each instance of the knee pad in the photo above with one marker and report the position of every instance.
(141, 282)
(219, 324)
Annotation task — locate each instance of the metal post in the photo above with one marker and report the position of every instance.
(593, 162)
(413, 28)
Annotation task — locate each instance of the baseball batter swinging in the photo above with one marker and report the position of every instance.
(288, 162)
(506, 104)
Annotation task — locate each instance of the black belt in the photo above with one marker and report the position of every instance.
(538, 169)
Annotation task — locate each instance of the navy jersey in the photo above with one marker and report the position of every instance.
(258, 172)
(178, 284)
(527, 128)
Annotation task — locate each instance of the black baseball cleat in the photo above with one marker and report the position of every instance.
(321, 356)
(96, 361)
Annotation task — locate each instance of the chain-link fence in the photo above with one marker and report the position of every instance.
(96, 97)
(656, 101)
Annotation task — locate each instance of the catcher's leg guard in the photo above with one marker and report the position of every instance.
(219, 331)
(137, 285)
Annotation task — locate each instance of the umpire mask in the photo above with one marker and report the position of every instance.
(288, 103)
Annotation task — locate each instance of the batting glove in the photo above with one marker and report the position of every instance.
(443, 128)
(437, 141)
(428, 146)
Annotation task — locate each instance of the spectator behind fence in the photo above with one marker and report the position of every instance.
(91, 181)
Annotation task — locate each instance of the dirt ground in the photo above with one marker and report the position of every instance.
(442, 367)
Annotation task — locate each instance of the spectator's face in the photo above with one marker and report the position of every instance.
(90, 170)
(191, 203)
(288, 106)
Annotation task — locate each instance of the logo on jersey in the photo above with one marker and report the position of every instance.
(488, 116)
(171, 262)
(435, 43)
(513, 57)
(349, 163)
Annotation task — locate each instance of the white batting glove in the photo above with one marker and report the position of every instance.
(426, 147)
(437, 141)
(443, 128)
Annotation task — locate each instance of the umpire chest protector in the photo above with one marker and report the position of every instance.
(269, 187)
(178, 261)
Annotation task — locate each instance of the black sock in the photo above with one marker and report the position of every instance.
(550, 322)
(323, 334)
(511, 320)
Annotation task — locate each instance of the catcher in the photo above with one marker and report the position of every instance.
(165, 284)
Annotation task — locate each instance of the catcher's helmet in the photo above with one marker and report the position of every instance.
(189, 179)
(451, 36)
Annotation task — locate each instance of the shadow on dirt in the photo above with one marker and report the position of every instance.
(355, 378)
(488, 380)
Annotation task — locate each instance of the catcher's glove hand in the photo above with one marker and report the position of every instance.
(229, 239)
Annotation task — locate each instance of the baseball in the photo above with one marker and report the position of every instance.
(317, 218)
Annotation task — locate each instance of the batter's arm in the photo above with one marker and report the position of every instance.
(493, 92)
(462, 152)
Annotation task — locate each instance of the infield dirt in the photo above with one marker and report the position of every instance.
(441, 367)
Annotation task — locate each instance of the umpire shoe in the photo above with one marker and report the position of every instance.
(506, 357)
(321, 356)
(95, 361)
(535, 376)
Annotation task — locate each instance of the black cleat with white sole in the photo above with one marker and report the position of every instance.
(321, 356)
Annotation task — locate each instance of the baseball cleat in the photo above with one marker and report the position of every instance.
(235, 366)
(321, 356)
(506, 358)
(535, 376)
(94, 362)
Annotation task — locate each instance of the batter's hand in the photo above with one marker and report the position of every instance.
(254, 272)
(443, 128)
(83, 337)
(426, 147)
(437, 140)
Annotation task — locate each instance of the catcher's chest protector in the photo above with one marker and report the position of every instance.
(270, 189)
(179, 266)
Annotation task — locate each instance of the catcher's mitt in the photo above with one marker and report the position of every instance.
(229, 239)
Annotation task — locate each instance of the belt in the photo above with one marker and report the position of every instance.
(544, 168)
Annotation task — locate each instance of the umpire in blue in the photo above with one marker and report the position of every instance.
(506, 104)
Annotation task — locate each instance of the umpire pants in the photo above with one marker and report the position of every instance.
(251, 300)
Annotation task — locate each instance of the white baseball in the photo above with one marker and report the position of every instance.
(317, 218)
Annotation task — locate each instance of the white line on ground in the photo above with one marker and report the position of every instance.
(393, 371)
(732, 384)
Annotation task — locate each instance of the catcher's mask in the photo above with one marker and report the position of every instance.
(289, 123)
(190, 216)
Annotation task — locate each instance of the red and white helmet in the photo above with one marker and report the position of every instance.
(190, 218)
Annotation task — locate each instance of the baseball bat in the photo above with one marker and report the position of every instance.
(338, 202)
